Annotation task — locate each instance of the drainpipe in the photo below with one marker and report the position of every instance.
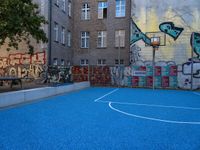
(50, 34)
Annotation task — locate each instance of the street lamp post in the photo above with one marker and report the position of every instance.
(49, 30)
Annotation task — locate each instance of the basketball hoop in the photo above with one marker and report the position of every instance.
(155, 42)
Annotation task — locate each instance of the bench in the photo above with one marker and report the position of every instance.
(14, 80)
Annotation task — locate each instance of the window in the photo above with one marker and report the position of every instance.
(69, 8)
(69, 37)
(63, 35)
(55, 61)
(62, 62)
(120, 8)
(102, 39)
(57, 2)
(117, 62)
(120, 38)
(85, 15)
(63, 5)
(101, 62)
(84, 62)
(56, 31)
(102, 10)
(85, 39)
(68, 63)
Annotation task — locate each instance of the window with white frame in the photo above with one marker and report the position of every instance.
(85, 14)
(117, 62)
(69, 8)
(63, 5)
(120, 38)
(84, 62)
(62, 62)
(63, 35)
(102, 10)
(102, 39)
(85, 39)
(101, 62)
(120, 8)
(55, 61)
(56, 28)
(69, 37)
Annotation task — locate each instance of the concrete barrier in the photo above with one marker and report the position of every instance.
(64, 89)
(13, 98)
(34, 94)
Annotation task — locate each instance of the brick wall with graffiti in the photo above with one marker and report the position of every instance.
(99, 75)
(142, 76)
(23, 65)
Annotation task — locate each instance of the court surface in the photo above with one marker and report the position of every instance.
(105, 119)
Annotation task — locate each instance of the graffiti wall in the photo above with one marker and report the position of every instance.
(142, 76)
(178, 21)
(99, 75)
(58, 74)
(23, 65)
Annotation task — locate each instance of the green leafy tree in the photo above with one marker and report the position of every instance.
(20, 20)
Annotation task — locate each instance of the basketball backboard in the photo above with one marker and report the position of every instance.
(158, 34)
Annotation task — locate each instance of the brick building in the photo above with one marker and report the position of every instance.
(97, 28)
(60, 46)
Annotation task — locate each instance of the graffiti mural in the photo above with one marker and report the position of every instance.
(170, 29)
(99, 75)
(177, 21)
(23, 65)
(137, 34)
(195, 43)
(135, 54)
(142, 76)
(58, 74)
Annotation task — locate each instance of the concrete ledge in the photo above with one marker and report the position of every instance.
(38, 93)
(13, 98)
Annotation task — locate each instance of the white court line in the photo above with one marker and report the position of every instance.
(151, 105)
(196, 93)
(153, 119)
(106, 95)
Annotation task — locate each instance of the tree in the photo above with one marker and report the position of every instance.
(20, 20)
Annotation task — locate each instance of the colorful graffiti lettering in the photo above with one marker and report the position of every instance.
(23, 65)
(195, 43)
(137, 34)
(170, 29)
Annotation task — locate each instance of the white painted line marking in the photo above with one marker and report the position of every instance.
(153, 119)
(196, 93)
(106, 95)
(152, 105)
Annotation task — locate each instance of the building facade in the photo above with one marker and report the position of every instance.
(60, 32)
(99, 27)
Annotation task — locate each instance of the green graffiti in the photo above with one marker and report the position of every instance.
(137, 34)
(170, 29)
(195, 43)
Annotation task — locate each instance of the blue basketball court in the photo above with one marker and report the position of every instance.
(105, 119)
